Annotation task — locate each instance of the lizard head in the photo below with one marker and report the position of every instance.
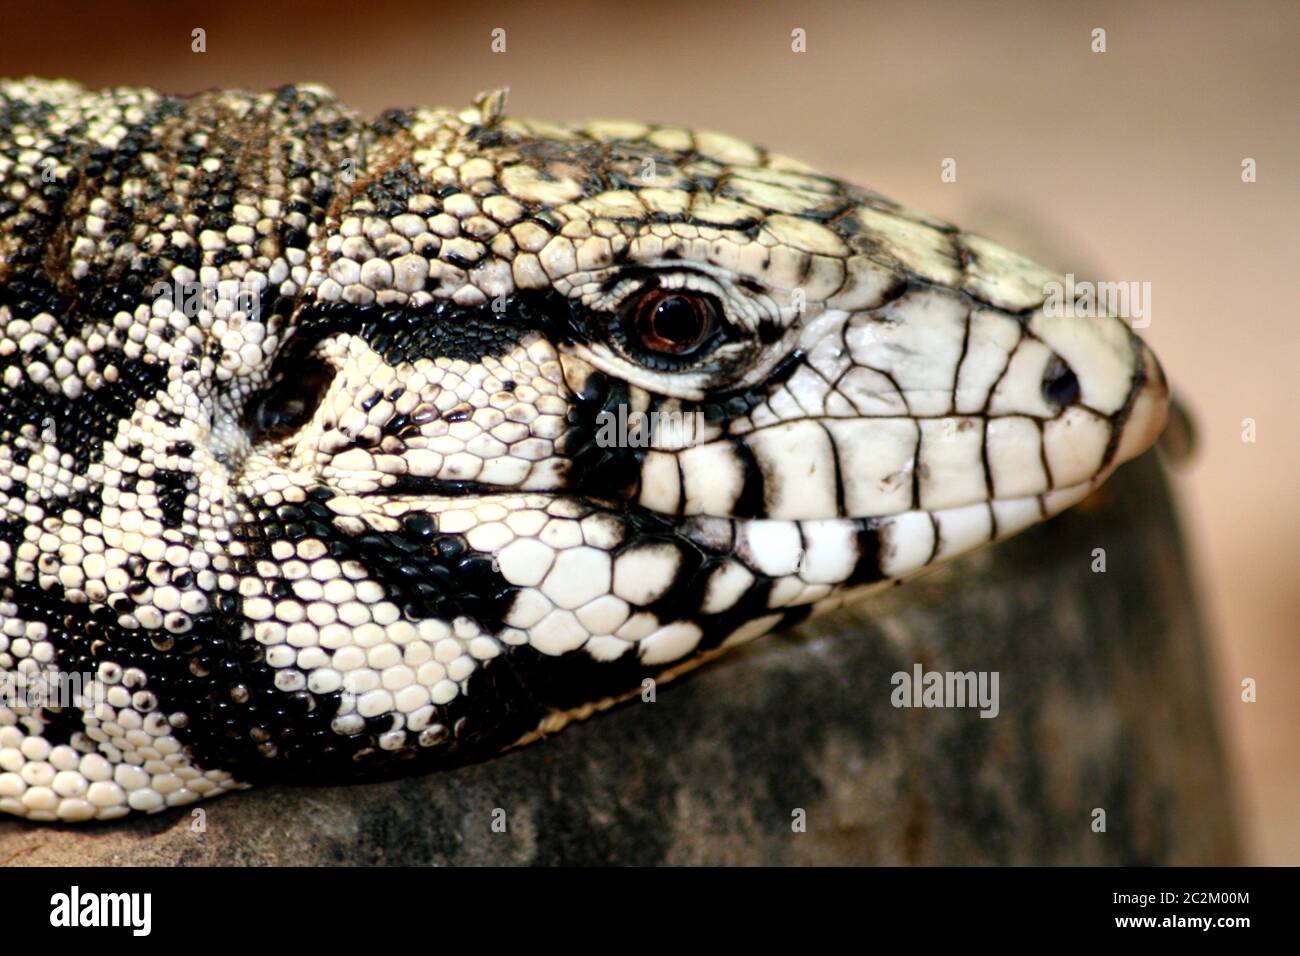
(519, 414)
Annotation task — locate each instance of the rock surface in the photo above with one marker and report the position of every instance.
(1103, 705)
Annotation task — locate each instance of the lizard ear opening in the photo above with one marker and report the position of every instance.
(290, 402)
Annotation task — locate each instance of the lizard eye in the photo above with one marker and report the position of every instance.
(291, 402)
(668, 326)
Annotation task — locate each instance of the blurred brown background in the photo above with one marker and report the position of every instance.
(1123, 165)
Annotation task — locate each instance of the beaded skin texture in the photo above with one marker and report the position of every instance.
(307, 470)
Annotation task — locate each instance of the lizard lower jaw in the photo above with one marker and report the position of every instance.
(847, 552)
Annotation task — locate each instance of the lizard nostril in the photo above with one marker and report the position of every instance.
(1060, 384)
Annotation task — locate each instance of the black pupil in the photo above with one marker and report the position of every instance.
(677, 320)
(675, 323)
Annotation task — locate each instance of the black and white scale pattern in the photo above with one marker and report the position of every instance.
(302, 474)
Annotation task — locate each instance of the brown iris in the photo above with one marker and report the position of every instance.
(673, 323)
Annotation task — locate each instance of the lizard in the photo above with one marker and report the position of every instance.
(336, 448)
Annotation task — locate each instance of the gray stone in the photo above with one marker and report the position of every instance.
(1103, 705)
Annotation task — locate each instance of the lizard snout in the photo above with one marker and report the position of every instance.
(1148, 408)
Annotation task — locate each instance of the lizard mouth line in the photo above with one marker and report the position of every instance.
(904, 542)
(441, 495)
